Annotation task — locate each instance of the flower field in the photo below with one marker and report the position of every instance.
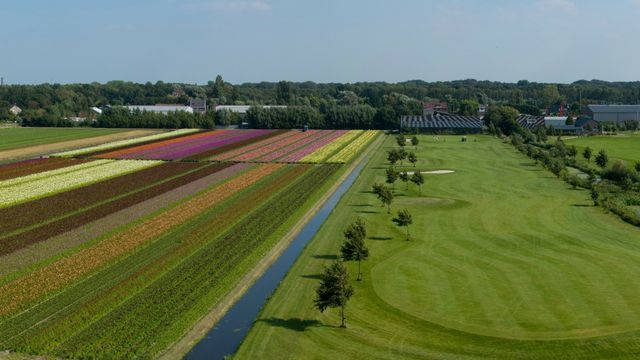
(116, 251)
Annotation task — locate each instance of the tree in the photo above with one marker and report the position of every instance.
(392, 176)
(572, 151)
(377, 188)
(415, 142)
(404, 177)
(393, 156)
(386, 198)
(503, 118)
(401, 140)
(587, 153)
(334, 290)
(637, 166)
(405, 219)
(602, 159)
(354, 248)
(569, 121)
(418, 179)
(402, 155)
(411, 156)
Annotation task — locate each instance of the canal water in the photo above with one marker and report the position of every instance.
(226, 336)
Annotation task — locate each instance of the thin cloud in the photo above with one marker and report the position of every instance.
(568, 6)
(231, 5)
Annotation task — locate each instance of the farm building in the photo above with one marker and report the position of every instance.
(242, 109)
(529, 121)
(162, 109)
(445, 122)
(428, 108)
(614, 113)
(199, 105)
(15, 110)
(581, 126)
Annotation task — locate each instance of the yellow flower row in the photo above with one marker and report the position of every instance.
(326, 151)
(348, 152)
(39, 186)
(120, 143)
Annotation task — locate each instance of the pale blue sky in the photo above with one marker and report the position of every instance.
(324, 41)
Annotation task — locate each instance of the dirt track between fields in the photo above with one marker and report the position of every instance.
(32, 151)
(202, 327)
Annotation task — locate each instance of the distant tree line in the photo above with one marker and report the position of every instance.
(362, 105)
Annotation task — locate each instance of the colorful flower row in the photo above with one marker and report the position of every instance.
(278, 154)
(275, 146)
(35, 186)
(150, 147)
(257, 145)
(327, 150)
(128, 142)
(28, 288)
(350, 151)
(314, 146)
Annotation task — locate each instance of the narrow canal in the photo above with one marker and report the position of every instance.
(226, 336)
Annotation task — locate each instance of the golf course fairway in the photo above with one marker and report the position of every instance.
(504, 261)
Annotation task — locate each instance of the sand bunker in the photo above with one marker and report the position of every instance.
(433, 172)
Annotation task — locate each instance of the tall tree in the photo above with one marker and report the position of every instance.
(602, 159)
(393, 156)
(587, 153)
(386, 198)
(418, 179)
(392, 176)
(411, 156)
(401, 140)
(404, 177)
(405, 219)
(415, 142)
(334, 290)
(354, 248)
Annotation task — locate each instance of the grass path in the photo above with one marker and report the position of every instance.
(505, 261)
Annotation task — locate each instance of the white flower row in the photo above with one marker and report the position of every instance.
(52, 173)
(120, 143)
(23, 192)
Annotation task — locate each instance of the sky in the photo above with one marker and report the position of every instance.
(191, 41)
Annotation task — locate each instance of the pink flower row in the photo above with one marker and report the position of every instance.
(254, 146)
(299, 154)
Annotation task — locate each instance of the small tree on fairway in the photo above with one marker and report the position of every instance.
(354, 247)
(404, 177)
(418, 179)
(415, 142)
(637, 166)
(334, 290)
(572, 151)
(405, 219)
(402, 155)
(587, 153)
(602, 159)
(386, 198)
(401, 140)
(376, 188)
(412, 158)
(392, 176)
(392, 156)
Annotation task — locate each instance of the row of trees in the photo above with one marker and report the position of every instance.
(333, 101)
(335, 289)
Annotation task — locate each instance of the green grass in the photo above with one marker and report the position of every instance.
(14, 138)
(505, 261)
(625, 146)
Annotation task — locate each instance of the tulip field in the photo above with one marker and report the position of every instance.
(117, 250)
